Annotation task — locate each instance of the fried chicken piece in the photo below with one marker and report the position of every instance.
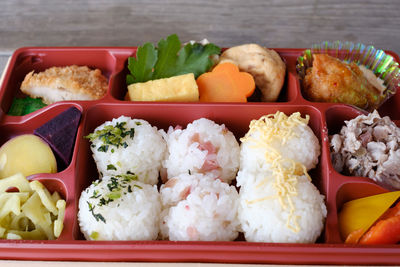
(265, 65)
(331, 80)
(65, 83)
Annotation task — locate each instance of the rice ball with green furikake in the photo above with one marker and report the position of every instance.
(128, 146)
(119, 208)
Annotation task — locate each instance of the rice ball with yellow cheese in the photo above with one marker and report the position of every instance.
(278, 202)
(296, 218)
(275, 137)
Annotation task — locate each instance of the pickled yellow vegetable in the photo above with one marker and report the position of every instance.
(31, 213)
(363, 212)
(27, 154)
(13, 204)
(58, 224)
(17, 180)
(45, 196)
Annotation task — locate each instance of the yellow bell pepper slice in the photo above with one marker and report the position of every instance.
(363, 212)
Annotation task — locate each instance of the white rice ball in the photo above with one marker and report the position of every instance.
(199, 208)
(119, 208)
(128, 146)
(203, 147)
(278, 136)
(264, 219)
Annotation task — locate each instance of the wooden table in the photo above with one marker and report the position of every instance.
(285, 23)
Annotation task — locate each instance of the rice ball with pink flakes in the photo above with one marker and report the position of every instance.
(199, 208)
(203, 147)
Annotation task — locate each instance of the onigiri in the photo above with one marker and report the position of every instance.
(278, 136)
(203, 147)
(278, 202)
(265, 216)
(198, 208)
(128, 146)
(119, 208)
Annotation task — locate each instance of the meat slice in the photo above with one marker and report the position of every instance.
(368, 146)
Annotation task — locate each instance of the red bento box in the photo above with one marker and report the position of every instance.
(325, 119)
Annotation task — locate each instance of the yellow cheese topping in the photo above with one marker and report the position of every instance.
(285, 171)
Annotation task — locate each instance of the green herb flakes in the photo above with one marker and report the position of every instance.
(112, 136)
(94, 235)
(128, 177)
(113, 184)
(114, 195)
(138, 186)
(95, 194)
(97, 216)
(111, 167)
(103, 148)
(111, 190)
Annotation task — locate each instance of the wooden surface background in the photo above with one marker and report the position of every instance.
(273, 23)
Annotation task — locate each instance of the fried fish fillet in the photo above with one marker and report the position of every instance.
(65, 83)
(331, 80)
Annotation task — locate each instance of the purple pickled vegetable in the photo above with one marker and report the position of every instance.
(60, 133)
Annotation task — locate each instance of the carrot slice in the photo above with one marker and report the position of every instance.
(384, 232)
(391, 212)
(354, 236)
(225, 83)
